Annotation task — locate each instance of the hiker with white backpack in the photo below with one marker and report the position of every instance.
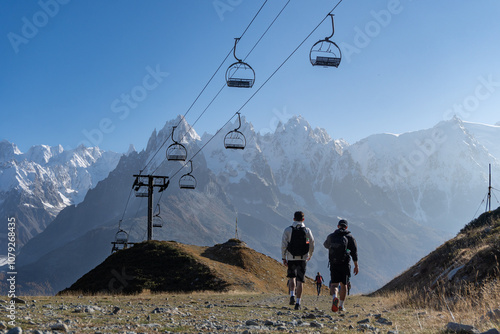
(297, 247)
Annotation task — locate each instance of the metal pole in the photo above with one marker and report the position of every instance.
(489, 193)
(150, 207)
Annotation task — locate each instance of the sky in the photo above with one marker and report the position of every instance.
(107, 73)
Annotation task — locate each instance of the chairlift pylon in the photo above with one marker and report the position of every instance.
(325, 52)
(239, 74)
(235, 139)
(176, 151)
(188, 181)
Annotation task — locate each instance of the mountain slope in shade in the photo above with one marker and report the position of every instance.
(35, 186)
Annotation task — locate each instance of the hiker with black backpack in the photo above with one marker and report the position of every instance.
(297, 247)
(341, 247)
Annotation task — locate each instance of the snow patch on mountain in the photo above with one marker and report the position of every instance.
(46, 180)
(487, 135)
(428, 171)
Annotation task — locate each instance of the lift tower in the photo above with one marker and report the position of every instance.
(150, 182)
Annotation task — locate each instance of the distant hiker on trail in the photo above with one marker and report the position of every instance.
(319, 282)
(341, 247)
(297, 247)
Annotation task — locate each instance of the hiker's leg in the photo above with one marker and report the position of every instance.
(301, 273)
(299, 289)
(335, 289)
(291, 284)
(343, 291)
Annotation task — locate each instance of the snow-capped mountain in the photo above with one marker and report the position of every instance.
(436, 175)
(399, 192)
(35, 186)
(486, 135)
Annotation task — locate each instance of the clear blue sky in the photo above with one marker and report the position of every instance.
(407, 65)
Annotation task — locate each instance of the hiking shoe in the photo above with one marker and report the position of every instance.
(297, 306)
(335, 304)
(341, 309)
(292, 300)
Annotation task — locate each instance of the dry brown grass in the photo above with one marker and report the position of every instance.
(468, 304)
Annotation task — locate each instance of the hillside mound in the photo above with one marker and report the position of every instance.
(471, 259)
(169, 266)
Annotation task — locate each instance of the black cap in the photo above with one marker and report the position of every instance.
(343, 223)
(298, 216)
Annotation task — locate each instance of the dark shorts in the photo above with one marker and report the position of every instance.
(340, 273)
(297, 268)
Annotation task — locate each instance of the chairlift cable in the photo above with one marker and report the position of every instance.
(126, 204)
(263, 84)
(265, 32)
(248, 54)
(253, 95)
(201, 148)
(291, 54)
(188, 110)
(190, 107)
(192, 125)
(255, 16)
(206, 85)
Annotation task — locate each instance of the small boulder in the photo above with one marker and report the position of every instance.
(15, 330)
(461, 328)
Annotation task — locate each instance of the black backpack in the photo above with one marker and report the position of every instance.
(298, 245)
(338, 248)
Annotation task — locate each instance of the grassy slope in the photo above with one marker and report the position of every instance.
(160, 266)
(472, 257)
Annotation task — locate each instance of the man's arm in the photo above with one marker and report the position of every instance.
(356, 268)
(284, 244)
(327, 243)
(311, 243)
(353, 247)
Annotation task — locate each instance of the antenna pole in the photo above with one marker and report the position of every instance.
(488, 201)
(236, 234)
